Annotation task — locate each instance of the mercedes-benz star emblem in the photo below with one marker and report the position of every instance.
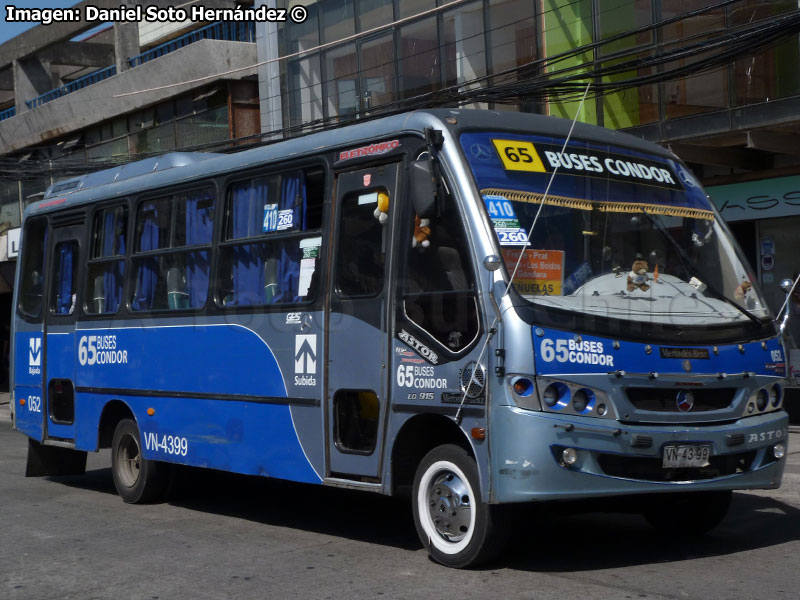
(685, 400)
(480, 152)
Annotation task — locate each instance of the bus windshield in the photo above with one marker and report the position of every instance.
(621, 234)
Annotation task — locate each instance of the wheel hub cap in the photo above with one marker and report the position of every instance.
(450, 506)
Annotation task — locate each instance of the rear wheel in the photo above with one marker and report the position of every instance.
(137, 480)
(688, 514)
(455, 525)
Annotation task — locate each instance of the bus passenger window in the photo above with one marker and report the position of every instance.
(34, 240)
(438, 287)
(65, 275)
(106, 267)
(361, 249)
(263, 260)
(180, 228)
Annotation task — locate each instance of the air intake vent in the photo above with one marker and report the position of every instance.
(667, 399)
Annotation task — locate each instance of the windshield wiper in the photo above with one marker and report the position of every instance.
(688, 264)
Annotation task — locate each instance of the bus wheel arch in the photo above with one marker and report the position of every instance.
(417, 437)
(113, 412)
(137, 480)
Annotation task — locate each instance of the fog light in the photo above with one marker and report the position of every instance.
(778, 450)
(762, 399)
(569, 456)
(775, 395)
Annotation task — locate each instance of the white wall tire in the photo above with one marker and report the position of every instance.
(454, 524)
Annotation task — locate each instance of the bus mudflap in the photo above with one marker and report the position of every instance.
(53, 461)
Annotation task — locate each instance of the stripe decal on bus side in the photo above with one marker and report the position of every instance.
(200, 396)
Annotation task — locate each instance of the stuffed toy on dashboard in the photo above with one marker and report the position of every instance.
(637, 278)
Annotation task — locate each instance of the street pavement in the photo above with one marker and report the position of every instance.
(220, 536)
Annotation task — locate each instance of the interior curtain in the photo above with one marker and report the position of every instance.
(147, 277)
(247, 261)
(199, 230)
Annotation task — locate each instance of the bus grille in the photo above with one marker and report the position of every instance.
(665, 399)
(645, 468)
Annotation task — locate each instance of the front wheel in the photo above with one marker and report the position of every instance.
(688, 513)
(456, 527)
(137, 480)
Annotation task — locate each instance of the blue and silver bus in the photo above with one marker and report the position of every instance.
(481, 310)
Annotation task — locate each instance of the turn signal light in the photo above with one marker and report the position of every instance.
(478, 433)
(151, 412)
(523, 387)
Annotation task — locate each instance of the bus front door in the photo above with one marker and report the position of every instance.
(357, 346)
(60, 350)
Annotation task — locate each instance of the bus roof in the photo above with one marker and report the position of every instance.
(184, 167)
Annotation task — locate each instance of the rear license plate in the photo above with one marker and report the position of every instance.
(686, 456)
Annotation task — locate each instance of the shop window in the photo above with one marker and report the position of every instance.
(32, 272)
(438, 288)
(337, 20)
(374, 13)
(295, 37)
(267, 257)
(341, 68)
(377, 72)
(173, 237)
(409, 8)
(697, 93)
(106, 265)
(419, 58)
(768, 75)
(65, 276)
(305, 91)
(464, 45)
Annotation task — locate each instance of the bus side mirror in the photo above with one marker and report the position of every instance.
(786, 285)
(423, 188)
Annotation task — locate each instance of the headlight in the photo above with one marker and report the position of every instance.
(556, 395)
(583, 401)
(775, 394)
(762, 399)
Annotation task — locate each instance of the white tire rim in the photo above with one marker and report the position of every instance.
(435, 478)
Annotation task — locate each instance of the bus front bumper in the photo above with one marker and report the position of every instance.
(612, 459)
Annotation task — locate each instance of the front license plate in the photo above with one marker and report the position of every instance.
(686, 456)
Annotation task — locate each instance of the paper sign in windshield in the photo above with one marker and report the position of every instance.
(505, 221)
(540, 273)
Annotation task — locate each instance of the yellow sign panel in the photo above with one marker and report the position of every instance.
(518, 156)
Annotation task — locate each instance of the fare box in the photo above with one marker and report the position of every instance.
(540, 273)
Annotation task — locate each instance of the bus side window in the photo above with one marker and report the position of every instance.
(65, 275)
(107, 260)
(34, 241)
(438, 288)
(261, 262)
(176, 234)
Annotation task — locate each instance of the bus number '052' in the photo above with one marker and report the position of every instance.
(34, 404)
(168, 444)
